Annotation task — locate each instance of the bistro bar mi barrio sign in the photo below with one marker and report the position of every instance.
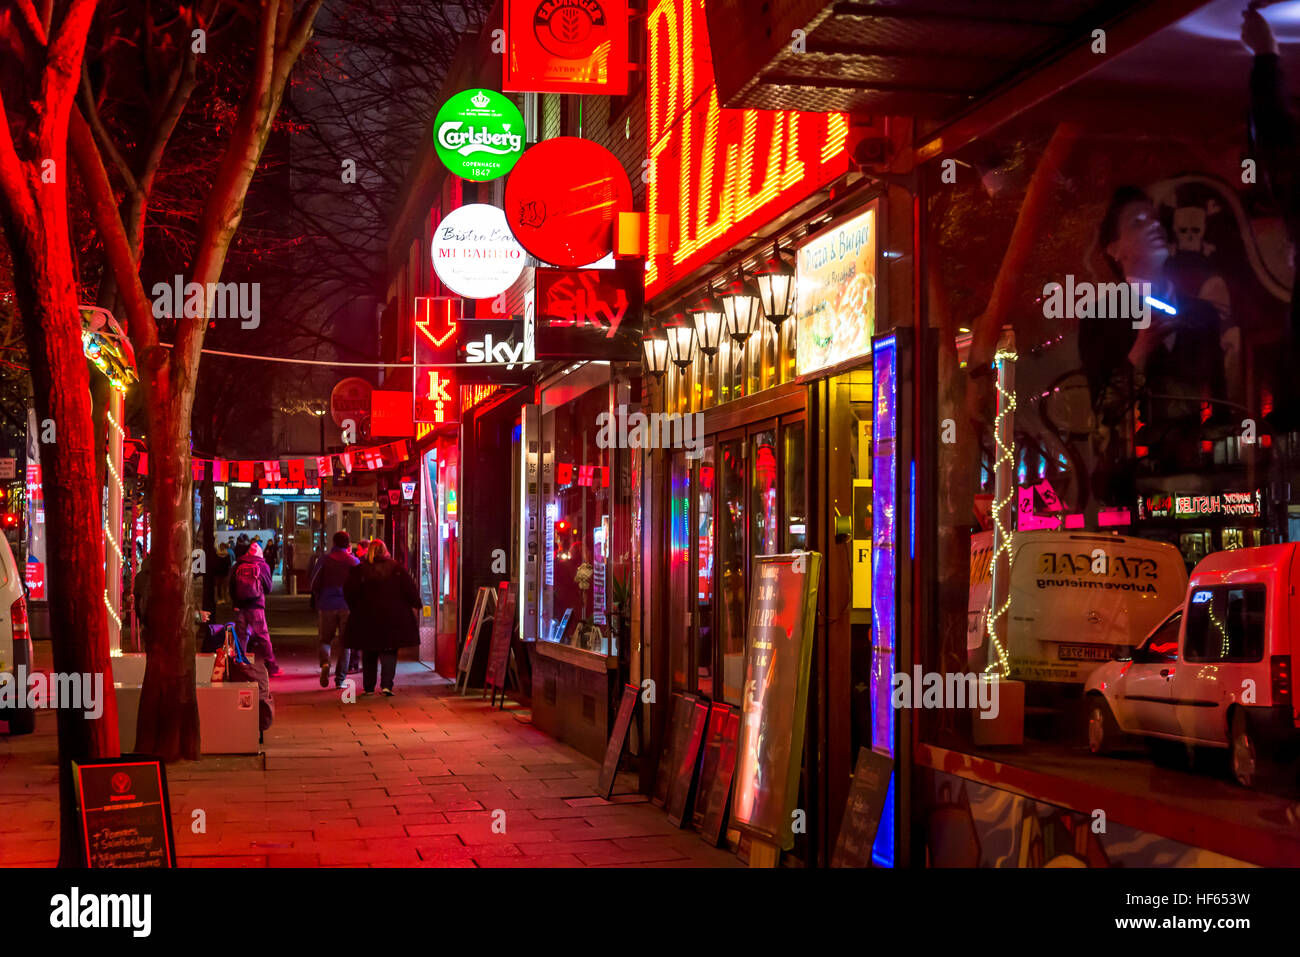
(475, 254)
(479, 134)
(717, 175)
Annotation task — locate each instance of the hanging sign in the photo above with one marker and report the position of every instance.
(588, 314)
(350, 399)
(566, 46)
(563, 198)
(474, 253)
(479, 134)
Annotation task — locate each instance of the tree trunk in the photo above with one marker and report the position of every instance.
(168, 723)
(47, 299)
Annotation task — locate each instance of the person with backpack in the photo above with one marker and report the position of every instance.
(250, 582)
(327, 581)
(381, 596)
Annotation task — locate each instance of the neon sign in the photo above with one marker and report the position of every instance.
(719, 174)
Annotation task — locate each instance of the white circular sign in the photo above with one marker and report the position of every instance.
(474, 252)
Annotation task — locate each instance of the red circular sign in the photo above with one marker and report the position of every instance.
(120, 782)
(562, 199)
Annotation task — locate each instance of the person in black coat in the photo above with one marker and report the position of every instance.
(382, 598)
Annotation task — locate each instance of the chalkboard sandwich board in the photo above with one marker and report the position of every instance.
(862, 811)
(484, 602)
(617, 742)
(124, 812)
(503, 626)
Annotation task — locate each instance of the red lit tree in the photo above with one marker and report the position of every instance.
(40, 66)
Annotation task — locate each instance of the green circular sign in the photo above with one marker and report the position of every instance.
(479, 134)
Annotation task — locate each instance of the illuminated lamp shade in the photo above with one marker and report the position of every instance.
(776, 288)
(740, 309)
(655, 350)
(681, 345)
(707, 314)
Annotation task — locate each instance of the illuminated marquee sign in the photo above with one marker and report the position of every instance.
(1227, 504)
(715, 174)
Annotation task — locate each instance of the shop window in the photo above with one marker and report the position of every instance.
(1108, 297)
(764, 530)
(681, 605)
(704, 552)
(1225, 624)
(795, 509)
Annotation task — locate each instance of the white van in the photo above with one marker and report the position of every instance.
(1216, 672)
(1077, 598)
(15, 638)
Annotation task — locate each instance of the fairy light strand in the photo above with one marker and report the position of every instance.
(1006, 406)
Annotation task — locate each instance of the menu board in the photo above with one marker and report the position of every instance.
(617, 741)
(483, 603)
(717, 771)
(862, 811)
(502, 626)
(674, 742)
(686, 763)
(778, 654)
(124, 812)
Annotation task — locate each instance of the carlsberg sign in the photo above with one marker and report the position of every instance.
(479, 134)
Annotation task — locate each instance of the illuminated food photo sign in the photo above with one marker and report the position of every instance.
(717, 176)
(479, 134)
(566, 46)
(475, 254)
(836, 287)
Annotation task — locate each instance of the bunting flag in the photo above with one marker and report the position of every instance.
(398, 451)
(346, 459)
(196, 469)
(297, 470)
(323, 467)
(219, 469)
(246, 472)
(143, 467)
(373, 459)
(271, 470)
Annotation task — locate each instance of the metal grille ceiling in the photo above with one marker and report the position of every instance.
(922, 58)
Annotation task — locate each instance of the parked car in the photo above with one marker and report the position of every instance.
(1077, 597)
(15, 638)
(1216, 672)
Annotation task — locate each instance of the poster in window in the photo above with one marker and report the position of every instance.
(778, 654)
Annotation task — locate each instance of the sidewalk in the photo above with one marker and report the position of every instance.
(426, 778)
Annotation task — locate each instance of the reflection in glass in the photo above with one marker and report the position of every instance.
(704, 546)
(731, 566)
(680, 593)
(796, 513)
(764, 533)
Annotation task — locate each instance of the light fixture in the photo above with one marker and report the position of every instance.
(707, 314)
(681, 344)
(776, 288)
(655, 350)
(740, 309)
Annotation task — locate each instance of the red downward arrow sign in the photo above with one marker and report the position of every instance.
(433, 317)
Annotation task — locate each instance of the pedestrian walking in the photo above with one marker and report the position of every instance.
(382, 599)
(287, 573)
(272, 554)
(221, 572)
(250, 581)
(327, 581)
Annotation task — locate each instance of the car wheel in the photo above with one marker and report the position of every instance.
(1103, 732)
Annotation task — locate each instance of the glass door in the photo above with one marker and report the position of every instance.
(731, 565)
